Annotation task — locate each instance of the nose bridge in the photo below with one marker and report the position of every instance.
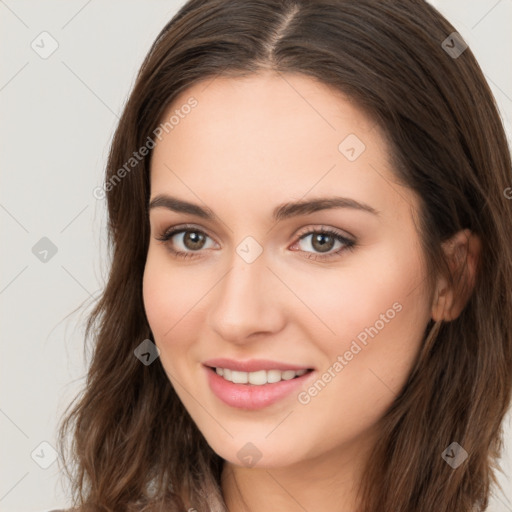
(242, 303)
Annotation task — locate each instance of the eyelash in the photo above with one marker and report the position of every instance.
(347, 243)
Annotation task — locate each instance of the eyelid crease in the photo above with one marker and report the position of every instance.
(327, 229)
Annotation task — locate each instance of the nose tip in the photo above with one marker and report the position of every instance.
(244, 303)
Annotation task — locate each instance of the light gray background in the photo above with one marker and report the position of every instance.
(57, 119)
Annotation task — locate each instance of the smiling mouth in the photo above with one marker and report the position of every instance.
(260, 377)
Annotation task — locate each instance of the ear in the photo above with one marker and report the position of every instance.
(462, 253)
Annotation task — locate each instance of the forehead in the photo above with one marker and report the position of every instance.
(257, 140)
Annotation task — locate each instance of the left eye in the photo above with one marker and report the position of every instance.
(325, 241)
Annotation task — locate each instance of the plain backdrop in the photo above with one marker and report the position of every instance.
(58, 113)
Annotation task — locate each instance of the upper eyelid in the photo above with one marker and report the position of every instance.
(175, 230)
(322, 227)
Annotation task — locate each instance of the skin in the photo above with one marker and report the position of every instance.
(251, 144)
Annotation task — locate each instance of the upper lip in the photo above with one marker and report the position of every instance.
(252, 365)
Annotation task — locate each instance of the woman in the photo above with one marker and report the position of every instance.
(309, 301)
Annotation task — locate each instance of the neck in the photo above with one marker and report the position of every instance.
(326, 482)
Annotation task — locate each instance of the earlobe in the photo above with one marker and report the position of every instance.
(462, 253)
(442, 302)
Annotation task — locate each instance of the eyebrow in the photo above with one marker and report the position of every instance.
(281, 212)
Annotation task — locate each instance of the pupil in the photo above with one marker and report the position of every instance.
(195, 240)
(323, 245)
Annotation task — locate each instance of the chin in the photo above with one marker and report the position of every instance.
(256, 454)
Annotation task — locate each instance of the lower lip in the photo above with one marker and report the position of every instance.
(249, 396)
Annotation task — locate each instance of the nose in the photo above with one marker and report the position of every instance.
(245, 303)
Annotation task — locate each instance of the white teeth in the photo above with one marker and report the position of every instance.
(258, 378)
(239, 377)
(273, 376)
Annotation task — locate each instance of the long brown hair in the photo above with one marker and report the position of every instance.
(133, 444)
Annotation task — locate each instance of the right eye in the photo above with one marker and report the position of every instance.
(183, 241)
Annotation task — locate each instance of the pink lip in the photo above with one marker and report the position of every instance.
(252, 365)
(249, 396)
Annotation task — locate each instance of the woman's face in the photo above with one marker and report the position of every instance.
(301, 275)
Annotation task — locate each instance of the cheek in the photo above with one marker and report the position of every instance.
(167, 295)
(158, 302)
(163, 311)
(378, 309)
(175, 302)
(379, 290)
(379, 316)
(379, 333)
